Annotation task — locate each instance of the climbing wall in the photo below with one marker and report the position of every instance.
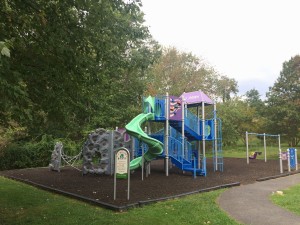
(56, 157)
(98, 150)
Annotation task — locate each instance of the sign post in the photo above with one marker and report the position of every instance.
(122, 169)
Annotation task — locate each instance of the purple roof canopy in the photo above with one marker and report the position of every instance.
(196, 98)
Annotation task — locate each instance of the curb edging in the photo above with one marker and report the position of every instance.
(114, 207)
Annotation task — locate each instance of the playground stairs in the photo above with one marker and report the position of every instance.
(183, 163)
(177, 160)
(189, 166)
(188, 132)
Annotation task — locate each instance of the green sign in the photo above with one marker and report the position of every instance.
(122, 157)
(122, 164)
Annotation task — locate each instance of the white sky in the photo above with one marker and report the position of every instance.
(247, 40)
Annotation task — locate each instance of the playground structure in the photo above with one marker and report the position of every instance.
(58, 156)
(290, 155)
(96, 153)
(101, 145)
(264, 135)
(180, 140)
(178, 143)
(55, 162)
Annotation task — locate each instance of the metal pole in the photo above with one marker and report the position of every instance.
(146, 165)
(198, 124)
(289, 162)
(247, 148)
(215, 136)
(280, 156)
(198, 142)
(167, 134)
(143, 149)
(280, 161)
(111, 149)
(115, 177)
(279, 144)
(186, 154)
(149, 168)
(182, 128)
(296, 159)
(203, 129)
(265, 147)
(132, 147)
(128, 175)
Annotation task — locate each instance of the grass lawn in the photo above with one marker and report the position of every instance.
(24, 204)
(289, 200)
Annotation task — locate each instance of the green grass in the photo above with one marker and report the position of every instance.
(23, 204)
(289, 200)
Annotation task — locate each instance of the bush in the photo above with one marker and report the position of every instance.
(34, 154)
(27, 154)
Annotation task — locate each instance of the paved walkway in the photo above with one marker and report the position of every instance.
(250, 204)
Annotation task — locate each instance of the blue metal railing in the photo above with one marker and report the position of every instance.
(192, 121)
(195, 124)
(175, 148)
(177, 152)
(174, 133)
(188, 150)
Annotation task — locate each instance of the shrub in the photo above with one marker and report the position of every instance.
(23, 154)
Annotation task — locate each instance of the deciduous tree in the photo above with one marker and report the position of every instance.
(72, 63)
(177, 72)
(283, 101)
(237, 118)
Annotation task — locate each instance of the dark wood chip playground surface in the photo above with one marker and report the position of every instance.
(99, 188)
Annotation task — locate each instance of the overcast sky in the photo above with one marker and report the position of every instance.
(247, 40)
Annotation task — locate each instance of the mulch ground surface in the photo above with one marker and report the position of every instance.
(100, 188)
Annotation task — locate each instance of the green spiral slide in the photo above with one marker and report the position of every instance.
(155, 147)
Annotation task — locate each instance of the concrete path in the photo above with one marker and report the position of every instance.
(250, 204)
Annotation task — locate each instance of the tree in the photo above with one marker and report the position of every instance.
(253, 98)
(283, 100)
(177, 72)
(225, 87)
(69, 63)
(237, 118)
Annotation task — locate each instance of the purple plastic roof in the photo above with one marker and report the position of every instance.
(196, 97)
